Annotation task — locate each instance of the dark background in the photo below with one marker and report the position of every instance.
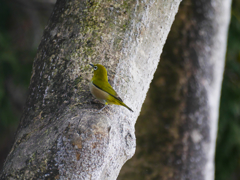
(21, 25)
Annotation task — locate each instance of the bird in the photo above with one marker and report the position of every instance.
(102, 90)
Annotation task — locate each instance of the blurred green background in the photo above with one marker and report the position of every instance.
(21, 26)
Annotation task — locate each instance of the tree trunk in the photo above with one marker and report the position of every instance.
(60, 135)
(176, 132)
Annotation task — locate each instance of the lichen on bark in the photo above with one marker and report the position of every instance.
(59, 136)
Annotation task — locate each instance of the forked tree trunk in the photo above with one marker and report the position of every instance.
(60, 135)
(176, 132)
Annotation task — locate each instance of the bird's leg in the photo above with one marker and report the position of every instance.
(105, 105)
(102, 108)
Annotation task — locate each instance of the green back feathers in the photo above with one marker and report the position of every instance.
(100, 79)
(107, 88)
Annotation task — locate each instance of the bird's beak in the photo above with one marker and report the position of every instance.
(91, 65)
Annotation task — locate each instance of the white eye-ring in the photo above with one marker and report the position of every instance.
(95, 67)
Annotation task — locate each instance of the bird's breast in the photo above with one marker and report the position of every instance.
(101, 95)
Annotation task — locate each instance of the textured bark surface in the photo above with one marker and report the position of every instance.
(60, 135)
(176, 131)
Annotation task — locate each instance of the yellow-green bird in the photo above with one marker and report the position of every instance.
(102, 90)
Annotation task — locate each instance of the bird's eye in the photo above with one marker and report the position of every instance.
(95, 67)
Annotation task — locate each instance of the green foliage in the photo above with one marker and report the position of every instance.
(13, 70)
(228, 142)
(7, 64)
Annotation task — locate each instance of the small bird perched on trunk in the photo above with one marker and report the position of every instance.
(102, 90)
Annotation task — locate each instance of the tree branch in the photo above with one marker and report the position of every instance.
(60, 135)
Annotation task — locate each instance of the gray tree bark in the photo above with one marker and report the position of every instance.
(60, 135)
(176, 132)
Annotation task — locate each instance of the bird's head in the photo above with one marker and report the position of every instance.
(100, 72)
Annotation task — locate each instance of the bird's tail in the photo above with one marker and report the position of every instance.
(126, 106)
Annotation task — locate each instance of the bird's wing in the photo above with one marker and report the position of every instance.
(106, 87)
